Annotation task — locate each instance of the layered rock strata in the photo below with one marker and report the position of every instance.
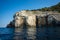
(33, 18)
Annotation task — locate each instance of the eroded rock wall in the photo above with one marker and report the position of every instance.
(32, 18)
(19, 21)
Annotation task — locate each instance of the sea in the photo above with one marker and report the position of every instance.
(30, 33)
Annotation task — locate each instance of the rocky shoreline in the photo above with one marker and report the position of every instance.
(35, 18)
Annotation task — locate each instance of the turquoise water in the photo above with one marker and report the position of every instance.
(41, 33)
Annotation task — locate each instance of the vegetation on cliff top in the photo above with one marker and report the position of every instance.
(52, 8)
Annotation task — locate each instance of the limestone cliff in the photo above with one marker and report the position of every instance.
(32, 18)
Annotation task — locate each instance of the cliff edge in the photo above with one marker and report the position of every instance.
(33, 18)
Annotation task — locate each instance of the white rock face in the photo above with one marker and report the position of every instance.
(19, 21)
(31, 17)
(31, 20)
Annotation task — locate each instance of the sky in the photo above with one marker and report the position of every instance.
(9, 7)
